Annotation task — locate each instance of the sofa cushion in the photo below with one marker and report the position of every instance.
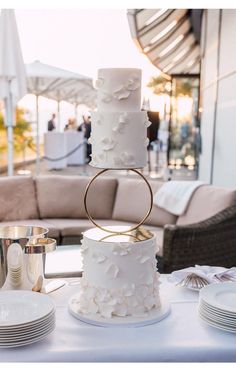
(207, 201)
(17, 198)
(54, 231)
(63, 196)
(133, 200)
(75, 227)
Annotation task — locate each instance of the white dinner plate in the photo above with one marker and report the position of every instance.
(27, 326)
(216, 325)
(28, 336)
(29, 341)
(30, 333)
(23, 307)
(217, 318)
(218, 312)
(222, 296)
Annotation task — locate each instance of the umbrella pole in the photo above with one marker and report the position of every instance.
(37, 137)
(10, 153)
(10, 150)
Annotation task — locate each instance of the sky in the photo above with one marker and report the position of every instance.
(80, 40)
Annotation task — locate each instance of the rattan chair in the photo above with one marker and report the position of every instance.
(210, 242)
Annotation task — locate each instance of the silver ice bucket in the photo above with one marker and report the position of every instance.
(22, 256)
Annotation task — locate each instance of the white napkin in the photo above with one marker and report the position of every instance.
(209, 273)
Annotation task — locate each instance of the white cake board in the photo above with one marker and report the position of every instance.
(154, 316)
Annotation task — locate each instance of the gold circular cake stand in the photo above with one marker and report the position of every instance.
(112, 231)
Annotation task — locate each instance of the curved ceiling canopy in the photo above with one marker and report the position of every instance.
(169, 37)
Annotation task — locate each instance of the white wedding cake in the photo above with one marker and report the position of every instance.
(120, 277)
(119, 128)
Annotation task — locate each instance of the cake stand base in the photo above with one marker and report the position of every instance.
(153, 316)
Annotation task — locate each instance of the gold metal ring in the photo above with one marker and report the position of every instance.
(112, 231)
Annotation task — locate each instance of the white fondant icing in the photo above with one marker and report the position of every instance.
(124, 284)
(123, 136)
(119, 89)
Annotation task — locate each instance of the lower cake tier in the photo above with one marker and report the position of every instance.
(119, 139)
(120, 277)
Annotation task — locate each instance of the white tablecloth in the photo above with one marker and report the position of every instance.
(181, 337)
(73, 139)
(57, 145)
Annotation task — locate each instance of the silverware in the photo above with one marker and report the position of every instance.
(194, 280)
(225, 278)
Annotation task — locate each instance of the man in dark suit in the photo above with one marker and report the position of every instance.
(51, 123)
(85, 127)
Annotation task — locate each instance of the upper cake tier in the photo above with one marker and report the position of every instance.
(119, 89)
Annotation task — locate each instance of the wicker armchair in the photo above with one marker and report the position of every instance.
(210, 242)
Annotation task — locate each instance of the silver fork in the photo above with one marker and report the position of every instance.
(196, 281)
(225, 278)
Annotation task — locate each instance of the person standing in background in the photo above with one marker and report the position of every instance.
(51, 123)
(85, 127)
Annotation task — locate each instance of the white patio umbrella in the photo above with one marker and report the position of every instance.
(57, 84)
(12, 74)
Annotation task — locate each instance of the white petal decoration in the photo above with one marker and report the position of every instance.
(106, 311)
(92, 307)
(118, 161)
(106, 97)
(108, 144)
(121, 310)
(128, 159)
(83, 248)
(112, 302)
(128, 290)
(98, 83)
(101, 295)
(121, 250)
(112, 271)
(123, 119)
(146, 142)
(142, 291)
(148, 123)
(121, 93)
(149, 302)
(144, 259)
(132, 301)
(99, 257)
(90, 293)
(133, 83)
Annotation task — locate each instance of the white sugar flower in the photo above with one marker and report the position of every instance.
(98, 257)
(108, 144)
(106, 310)
(121, 249)
(121, 93)
(133, 83)
(128, 290)
(98, 83)
(112, 271)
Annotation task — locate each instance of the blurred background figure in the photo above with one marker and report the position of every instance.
(85, 127)
(71, 125)
(51, 123)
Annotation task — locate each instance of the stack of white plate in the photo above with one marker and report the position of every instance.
(25, 317)
(217, 306)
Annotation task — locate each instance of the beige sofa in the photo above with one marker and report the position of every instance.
(56, 202)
